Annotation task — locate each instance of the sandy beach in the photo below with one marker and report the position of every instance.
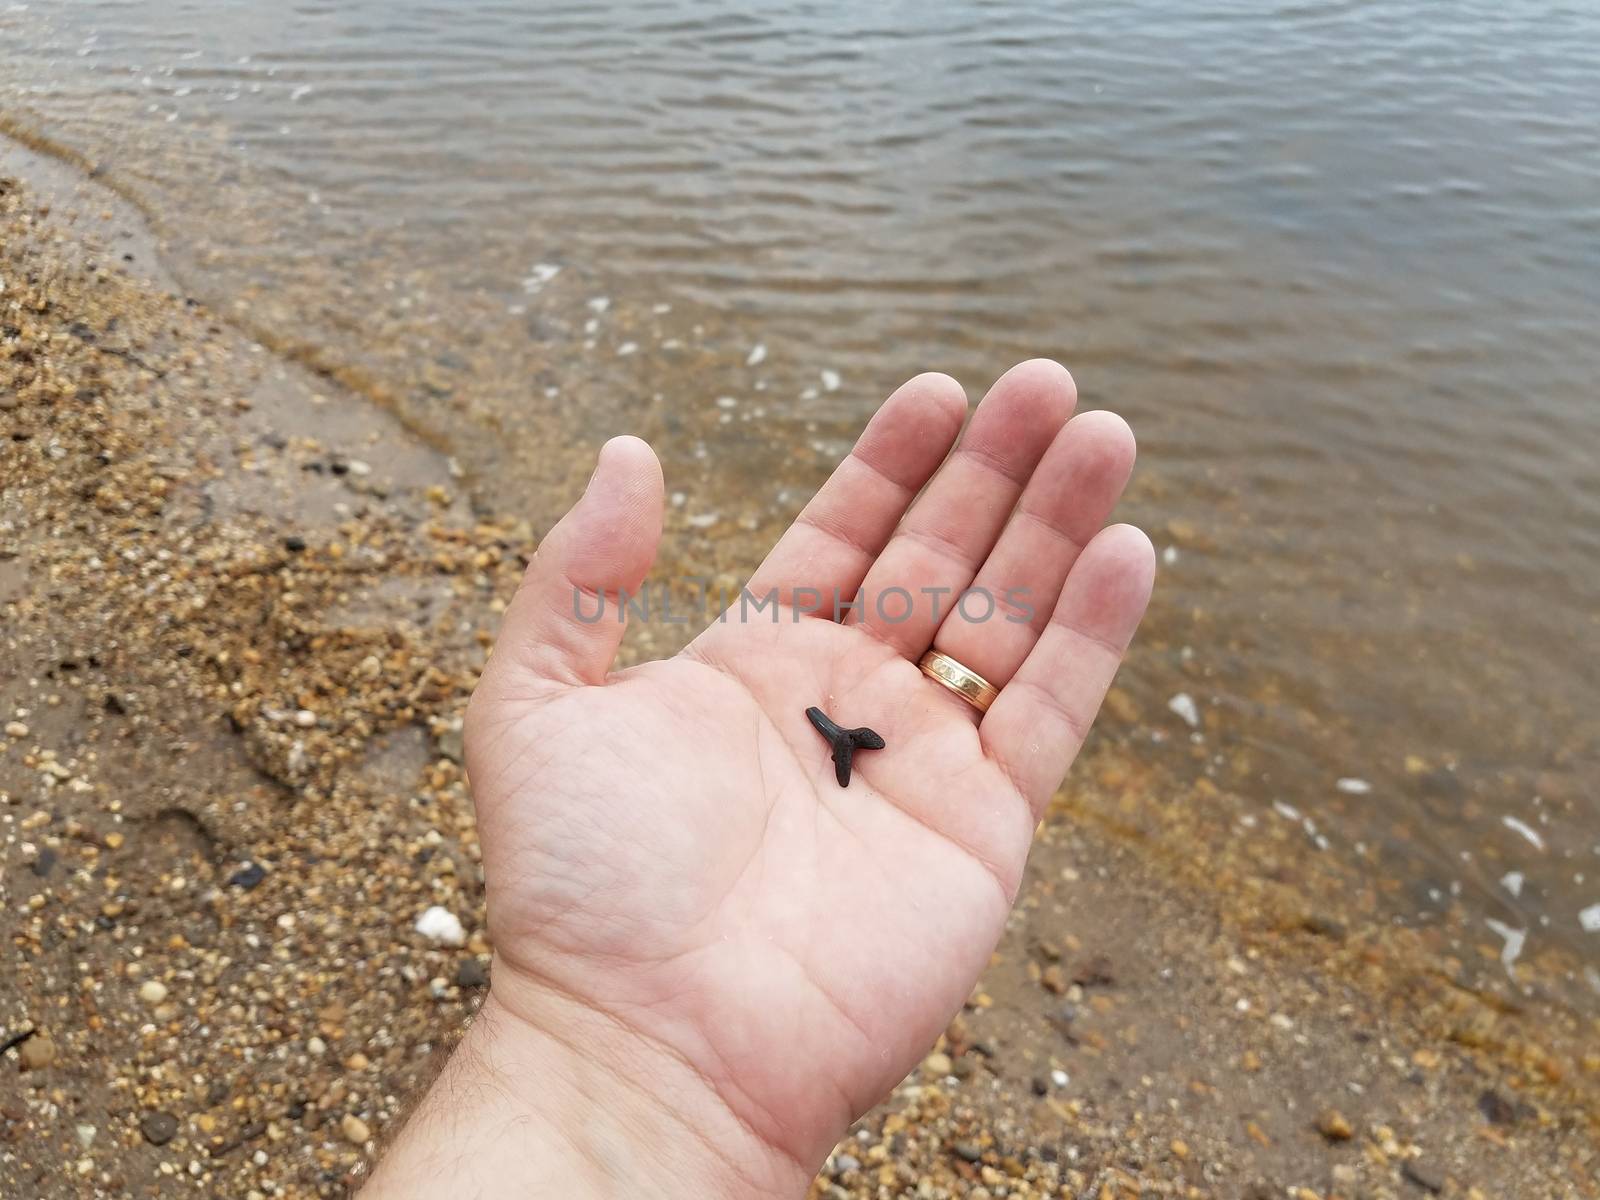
(243, 611)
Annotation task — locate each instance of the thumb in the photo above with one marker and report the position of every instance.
(566, 621)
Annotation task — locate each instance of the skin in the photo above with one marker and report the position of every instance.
(710, 958)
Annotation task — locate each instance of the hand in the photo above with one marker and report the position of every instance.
(701, 939)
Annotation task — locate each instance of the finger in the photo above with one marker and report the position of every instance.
(566, 621)
(1067, 501)
(1041, 717)
(841, 532)
(950, 529)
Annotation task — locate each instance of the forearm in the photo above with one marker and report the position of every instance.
(519, 1112)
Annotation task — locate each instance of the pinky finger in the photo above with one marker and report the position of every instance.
(1039, 720)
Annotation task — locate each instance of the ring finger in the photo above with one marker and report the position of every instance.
(1065, 504)
(948, 532)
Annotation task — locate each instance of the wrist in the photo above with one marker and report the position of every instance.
(547, 1097)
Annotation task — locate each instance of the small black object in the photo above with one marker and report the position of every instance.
(158, 1128)
(845, 742)
(248, 876)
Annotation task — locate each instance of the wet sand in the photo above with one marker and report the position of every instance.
(243, 609)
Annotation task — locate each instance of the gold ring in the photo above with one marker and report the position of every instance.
(963, 681)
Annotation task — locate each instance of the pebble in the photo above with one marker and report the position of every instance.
(1334, 1126)
(1496, 1109)
(937, 1065)
(16, 729)
(355, 1130)
(1429, 1179)
(158, 1128)
(1353, 787)
(452, 745)
(152, 991)
(757, 355)
(38, 1052)
(1183, 704)
(968, 1151)
(471, 973)
(830, 380)
(442, 926)
(248, 876)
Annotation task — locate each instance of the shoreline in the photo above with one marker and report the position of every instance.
(247, 783)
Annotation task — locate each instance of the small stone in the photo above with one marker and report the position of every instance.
(1429, 1179)
(305, 718)
(158, 1128)
(1054, 979)
(440, 925)
(1094, 971)
(471, 973)
(38, 1052)
(843, 1164)
(355, 1130)
(968, 1151)
(247, 876)
(294, 543)
(1334, 1126)
(16, 729)
(452, 745)
(1496, 1109)
(114, 841)
(152, 991)
(1188, 712)
(1180, 1148)
(937, 1065)
(315, 1045)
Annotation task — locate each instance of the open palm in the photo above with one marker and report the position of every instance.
(668, 853)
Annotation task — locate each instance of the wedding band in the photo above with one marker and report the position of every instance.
(964, 682)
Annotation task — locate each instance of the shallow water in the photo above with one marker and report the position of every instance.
(1339, 263)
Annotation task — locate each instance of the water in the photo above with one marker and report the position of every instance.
(1339, 264)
